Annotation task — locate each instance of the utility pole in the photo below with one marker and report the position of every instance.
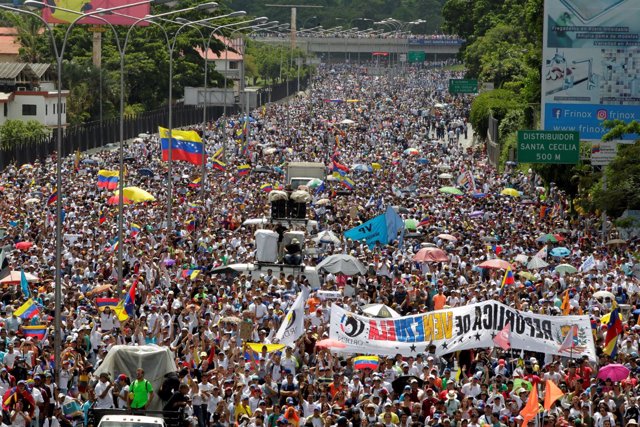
(294, 11)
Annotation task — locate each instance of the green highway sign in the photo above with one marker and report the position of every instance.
(416, 56)
(463, 86)
(546, 146)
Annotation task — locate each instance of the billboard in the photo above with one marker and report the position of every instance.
(590, 65)
(64, 12)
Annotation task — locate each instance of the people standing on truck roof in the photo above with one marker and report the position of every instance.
(140, 391)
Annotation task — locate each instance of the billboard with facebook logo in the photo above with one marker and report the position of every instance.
(591, 65)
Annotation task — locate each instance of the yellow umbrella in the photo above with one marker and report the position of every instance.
(136, 195)
(376, 166)
(510, 192)
(605, 319)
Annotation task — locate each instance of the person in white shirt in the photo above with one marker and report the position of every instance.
(123, 391)
(104, 396)
(107, 320)
(18, 417)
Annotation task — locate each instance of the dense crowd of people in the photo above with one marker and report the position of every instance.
(408, 124)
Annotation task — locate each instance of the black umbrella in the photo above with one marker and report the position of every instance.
(145, 172)
(399, 383)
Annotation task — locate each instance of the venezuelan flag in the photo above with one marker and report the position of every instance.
(266, 187)
(36, 331)
(108, 179)
(186, 145)
(27, 310)
(103, 217)
(53, 197)
(191, 273)
(243, 170)
(195, 183)
(508, 278)
(106, 302)
(135, 229)
(218, 153)
(218, 164)
(366, 362)
(614, 330)
(347, 182)
(191, 224)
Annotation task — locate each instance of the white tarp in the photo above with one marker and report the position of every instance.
(459, 328)
(124, 359)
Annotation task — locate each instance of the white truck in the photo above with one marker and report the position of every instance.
(130, 420)
(300, 173)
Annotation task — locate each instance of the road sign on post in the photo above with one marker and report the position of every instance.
(457, 86)
(416, 56)
(556, 147)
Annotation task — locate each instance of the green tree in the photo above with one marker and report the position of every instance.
(14, 131)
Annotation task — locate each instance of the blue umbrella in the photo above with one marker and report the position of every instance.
(251, 119)
(278, 170)
(145, 172)
(560, 252)
(636, 312)
(479, 195)
(362, 168)
(423, 161)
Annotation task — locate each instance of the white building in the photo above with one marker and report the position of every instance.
(27, 93)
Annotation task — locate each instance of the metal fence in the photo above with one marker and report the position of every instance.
(98, 134)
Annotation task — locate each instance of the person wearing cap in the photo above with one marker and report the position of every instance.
(104, 395)
(121, 391)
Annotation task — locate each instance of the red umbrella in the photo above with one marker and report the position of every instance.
(114, 200)
(500, 264)
(330, 343)
(431, 255)
(24, 246)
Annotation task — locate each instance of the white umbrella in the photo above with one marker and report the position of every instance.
(347, 122)
(342, 263)
(270, 150)
(445, 176)
(603, 294)
(327, 236)
(522, 259)
(380, 310)
(255, 221)
(536, 263)
(31, 200)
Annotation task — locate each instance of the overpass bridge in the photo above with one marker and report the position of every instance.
(341, 49)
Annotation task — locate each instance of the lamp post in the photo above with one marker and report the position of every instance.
(59, 54)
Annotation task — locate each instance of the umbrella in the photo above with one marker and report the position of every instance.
(521, 258)
(603, 295)
(450, 190)
(422, 161)
(510, 192)
(489, 239)
(448, 237)
(536, 263)
(99, 289)
(566, 268)
(411, 224)
(527, 275)
(31, 200)
(445, 175)
(251, 119)
(255, 221)
(230, 319)
(330, 343)
(327, 236)
(376, 166)
(314, 183)
(114, 200)
(496, 263)
(169, 262)
(547, 238)
(399, 383)
(89, 161)
(24, 246)
(145, 172)
(476, 214)
(359, 167)
(444, 166)
(560, 251)
(347, 122)
(136, 194)
(616, 242)
(431, 254)
(411, 151)
(342, 263)
(479, 195)
(380, 310)
(14, 278)
(613, 372)
(270, 150)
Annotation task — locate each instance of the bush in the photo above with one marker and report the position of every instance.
(15, 131)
